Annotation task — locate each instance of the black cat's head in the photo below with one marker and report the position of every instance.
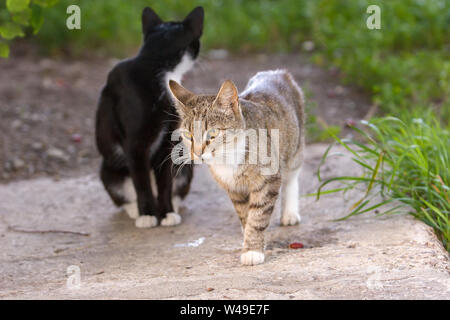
(172, 38)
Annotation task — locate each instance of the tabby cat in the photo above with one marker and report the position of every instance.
(215, 127)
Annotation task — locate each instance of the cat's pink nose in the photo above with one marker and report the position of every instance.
(198, 150)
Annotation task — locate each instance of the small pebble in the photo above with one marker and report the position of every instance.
(18, 164)
(57, 154)
(308, 46)
(37, 146)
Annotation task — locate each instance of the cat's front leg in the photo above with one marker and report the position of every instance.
(263, 196)
(240, 202)
(164, 179)
(139, 169)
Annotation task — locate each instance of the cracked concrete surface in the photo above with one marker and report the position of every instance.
(367, 257)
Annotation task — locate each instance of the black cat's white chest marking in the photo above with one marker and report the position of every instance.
(186, 63)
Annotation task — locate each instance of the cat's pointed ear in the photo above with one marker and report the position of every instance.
(194, 21)
(227, 99)
(181, 95)
(149, 20)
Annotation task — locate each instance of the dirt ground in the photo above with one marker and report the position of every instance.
(60, 219)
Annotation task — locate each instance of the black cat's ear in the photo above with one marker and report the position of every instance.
(149, 19)
(228, 99)
(194, 21)
(181, 95)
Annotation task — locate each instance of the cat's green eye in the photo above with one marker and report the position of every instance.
(212, 133)
(187, 135)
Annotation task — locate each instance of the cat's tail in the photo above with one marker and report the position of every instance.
(299, 103)
(298, 92)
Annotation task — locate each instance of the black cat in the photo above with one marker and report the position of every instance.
(135, 119)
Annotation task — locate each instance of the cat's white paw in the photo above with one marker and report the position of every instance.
(146, 222)
(171, 219)
(290, 219)
(132, 210)
(251, 258)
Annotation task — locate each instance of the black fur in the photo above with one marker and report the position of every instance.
(135, 108)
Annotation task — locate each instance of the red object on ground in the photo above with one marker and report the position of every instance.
(76, 138)
(296, 245)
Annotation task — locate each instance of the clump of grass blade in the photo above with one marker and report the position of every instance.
(406, 163)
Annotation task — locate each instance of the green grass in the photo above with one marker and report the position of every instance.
(407, 61)
(404, 163)
(405, 67)
(114, 26)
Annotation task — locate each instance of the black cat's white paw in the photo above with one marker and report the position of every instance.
(171, 219)
(146, 222)
(132, 210)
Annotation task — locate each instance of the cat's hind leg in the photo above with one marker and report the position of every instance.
(290, 199)
(119, 186)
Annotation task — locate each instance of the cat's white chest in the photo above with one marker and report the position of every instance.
(226, 175)
(182, 67)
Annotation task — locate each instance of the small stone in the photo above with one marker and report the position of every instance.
(85, 153)
(209, 289)
(16, 124)
(308, 46)
(34, 117)
(18, 164)
(37, 146)
(57, 154)
(339, 90)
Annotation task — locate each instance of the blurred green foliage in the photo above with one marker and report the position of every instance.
(406, 62)
(16, 16)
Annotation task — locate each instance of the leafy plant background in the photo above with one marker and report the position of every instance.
(19, 16)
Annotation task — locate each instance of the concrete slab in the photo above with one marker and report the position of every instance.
(366, 257)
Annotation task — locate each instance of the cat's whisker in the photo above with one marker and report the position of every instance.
(167, 158)
(183, 164)
(172, 114)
